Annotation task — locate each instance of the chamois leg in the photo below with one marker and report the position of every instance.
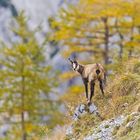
(104, 81)
(86, 89)
(101, 87)
(85, 81)
(92, 85)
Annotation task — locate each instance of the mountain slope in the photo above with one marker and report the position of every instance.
(120, 109)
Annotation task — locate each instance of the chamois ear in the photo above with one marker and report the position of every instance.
(75, 61)
(70, 60)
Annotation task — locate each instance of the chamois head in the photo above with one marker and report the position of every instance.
(74, 64)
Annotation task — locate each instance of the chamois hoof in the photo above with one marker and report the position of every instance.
(88, 103)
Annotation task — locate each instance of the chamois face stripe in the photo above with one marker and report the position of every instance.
(75, 66)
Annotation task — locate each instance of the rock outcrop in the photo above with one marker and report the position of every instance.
(111, 129)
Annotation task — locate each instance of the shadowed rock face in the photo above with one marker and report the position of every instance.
(8, 4)
(39, 10)
(7, 11)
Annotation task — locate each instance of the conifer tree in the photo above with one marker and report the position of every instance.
(91, 30)
(25, 83)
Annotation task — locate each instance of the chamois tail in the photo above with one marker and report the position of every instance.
(97, 71)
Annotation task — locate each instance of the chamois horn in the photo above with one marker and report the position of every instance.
(70, 60)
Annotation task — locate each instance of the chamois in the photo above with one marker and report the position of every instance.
(90, 74)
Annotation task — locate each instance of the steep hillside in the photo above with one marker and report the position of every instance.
(119, 111)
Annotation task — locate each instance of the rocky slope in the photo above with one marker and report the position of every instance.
(115, 116)
(122, 127)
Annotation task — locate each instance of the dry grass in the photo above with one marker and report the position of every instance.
(122, 95)
(122, 91)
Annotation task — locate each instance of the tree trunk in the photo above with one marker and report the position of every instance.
(106, 51)
(23, 126)
(22, 105)
(121, 39)
(130, 54)
(132, 38)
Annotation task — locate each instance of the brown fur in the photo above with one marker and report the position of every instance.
(90, 74)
